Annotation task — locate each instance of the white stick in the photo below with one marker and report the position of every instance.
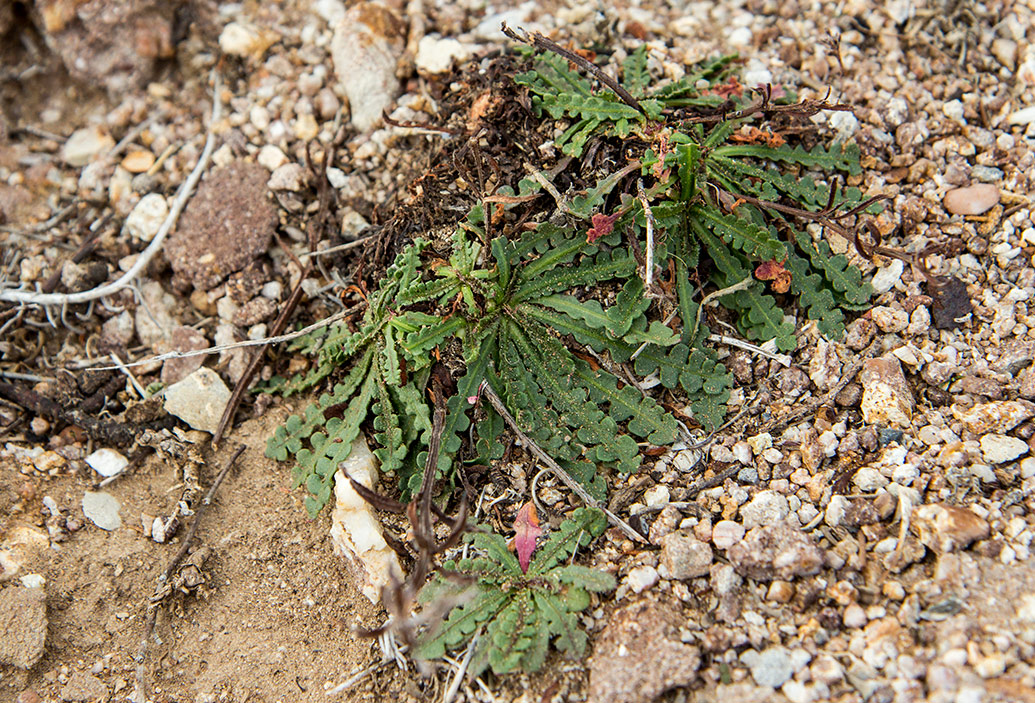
(227, 347)
(648, 275)
(747, 346)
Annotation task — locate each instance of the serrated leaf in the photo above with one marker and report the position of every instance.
(496, 548)
(561, 623)
(553, 75)
(838, 157)
(816, 299)
(630, 304)
(585, 205)
(645, 417)
(635, 78)
(512, 632)
(388, 432)
(757, 242)
(845, 278)
(602, 268)
(433, 332)
(590, 312)
(760, 318)
(287, 439)
(708, 385)
(579, 530)
(711, 70)
(658, 333)
(584, 577)
(462, 622)
(332, 447)
(597, 339)
(667, 363)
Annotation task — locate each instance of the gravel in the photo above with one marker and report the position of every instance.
(913, 485)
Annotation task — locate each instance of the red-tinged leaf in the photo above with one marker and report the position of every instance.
(603, 225)
(774, 271)
(730, 87)
(527, 530)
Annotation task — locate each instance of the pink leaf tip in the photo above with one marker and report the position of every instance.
(527, 530)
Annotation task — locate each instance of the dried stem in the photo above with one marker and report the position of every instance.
(538, 40)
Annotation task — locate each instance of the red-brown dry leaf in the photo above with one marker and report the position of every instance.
(730, 87)
(754, 135)
(603, 225)
(774, 271)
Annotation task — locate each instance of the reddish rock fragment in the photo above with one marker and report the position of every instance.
(639, 655)
(776, 552)
(228, 223)
(947, 528)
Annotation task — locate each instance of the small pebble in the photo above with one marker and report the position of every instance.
(775, 666)
(1022, 117)
(240, 39)
(854, 616)
(948, 528)
(887, 398)
(726, 533)
(436, 55)
(780, 592)
(107, 462)
(138, 161)
(759, 443)
(684, 557)
(271, 157)
(102, 509)
(85, 145)
(999, 449)
(641, 578)
(288, 177)
(147, 217)
(766, 508)
(198, 400)
(893, 590)
(991, 667)
(972, 200)
(889, 320)
(656, 497)
(887, 276)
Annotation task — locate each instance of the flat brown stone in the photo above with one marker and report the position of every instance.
(23, 622)
(639, 655)
(227, 224)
